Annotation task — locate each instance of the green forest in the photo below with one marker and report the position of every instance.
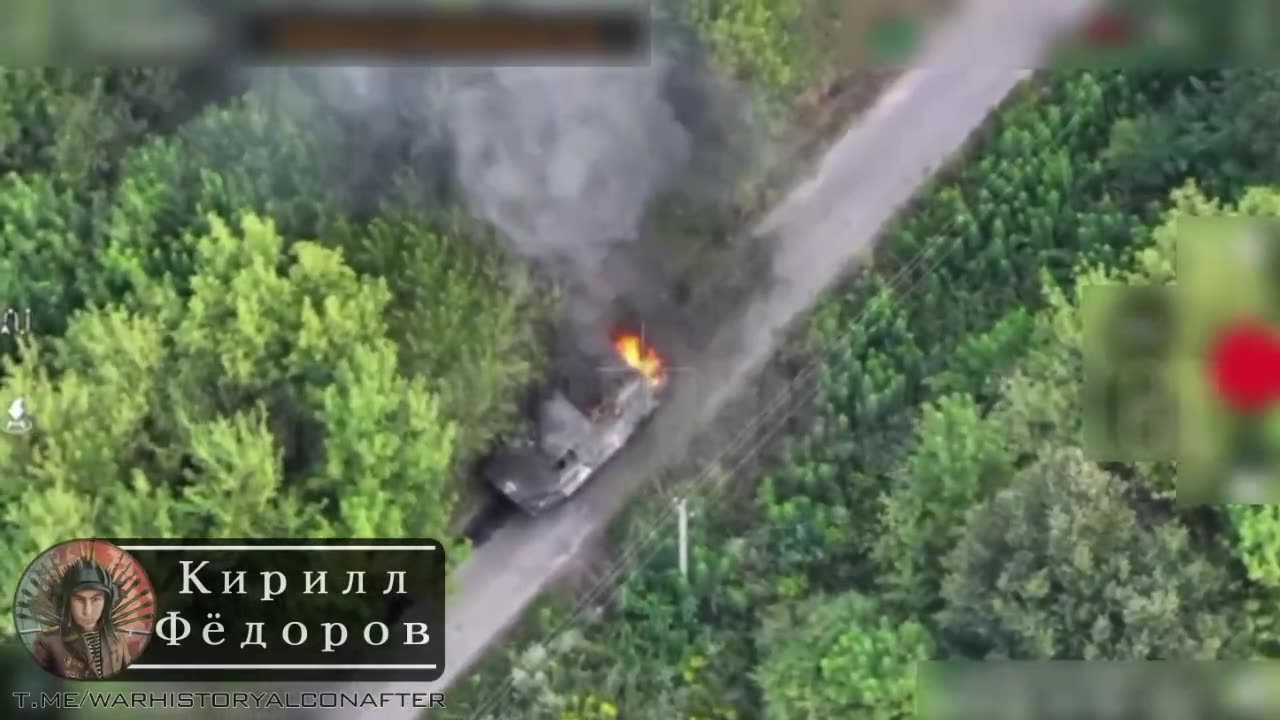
(939, 503)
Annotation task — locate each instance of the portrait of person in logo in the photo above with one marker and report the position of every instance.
(85, 609)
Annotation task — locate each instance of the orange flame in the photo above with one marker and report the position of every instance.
(643, 359)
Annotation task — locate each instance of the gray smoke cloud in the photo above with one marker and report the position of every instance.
(565, 161)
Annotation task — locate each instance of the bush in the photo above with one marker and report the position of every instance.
(754, 40)
(839, 657)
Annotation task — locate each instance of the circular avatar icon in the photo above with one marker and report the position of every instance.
(85, 609)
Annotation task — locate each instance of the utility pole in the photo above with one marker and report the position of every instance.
(683, 506)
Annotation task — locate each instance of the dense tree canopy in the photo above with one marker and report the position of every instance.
(76, 125)
(1060, 566)
(267, 403)
(221, 347)
(960, 457)
(839, 657)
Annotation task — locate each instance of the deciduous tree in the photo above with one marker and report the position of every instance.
(960, 458)
(830, 657)
(1059, 565)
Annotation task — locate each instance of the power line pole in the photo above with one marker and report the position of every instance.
(683, 506)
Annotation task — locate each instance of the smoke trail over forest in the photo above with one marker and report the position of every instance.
(564, 162)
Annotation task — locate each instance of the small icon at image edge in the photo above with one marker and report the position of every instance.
(19, 421)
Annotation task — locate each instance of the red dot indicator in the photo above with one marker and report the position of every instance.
(1245, 362)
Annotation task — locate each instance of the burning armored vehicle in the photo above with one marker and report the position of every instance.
(575, 439)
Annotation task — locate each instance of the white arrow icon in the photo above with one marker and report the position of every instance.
(19, 423)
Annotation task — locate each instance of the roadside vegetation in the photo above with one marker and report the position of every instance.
(783, 80)
(937, 503)
(785, 48)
